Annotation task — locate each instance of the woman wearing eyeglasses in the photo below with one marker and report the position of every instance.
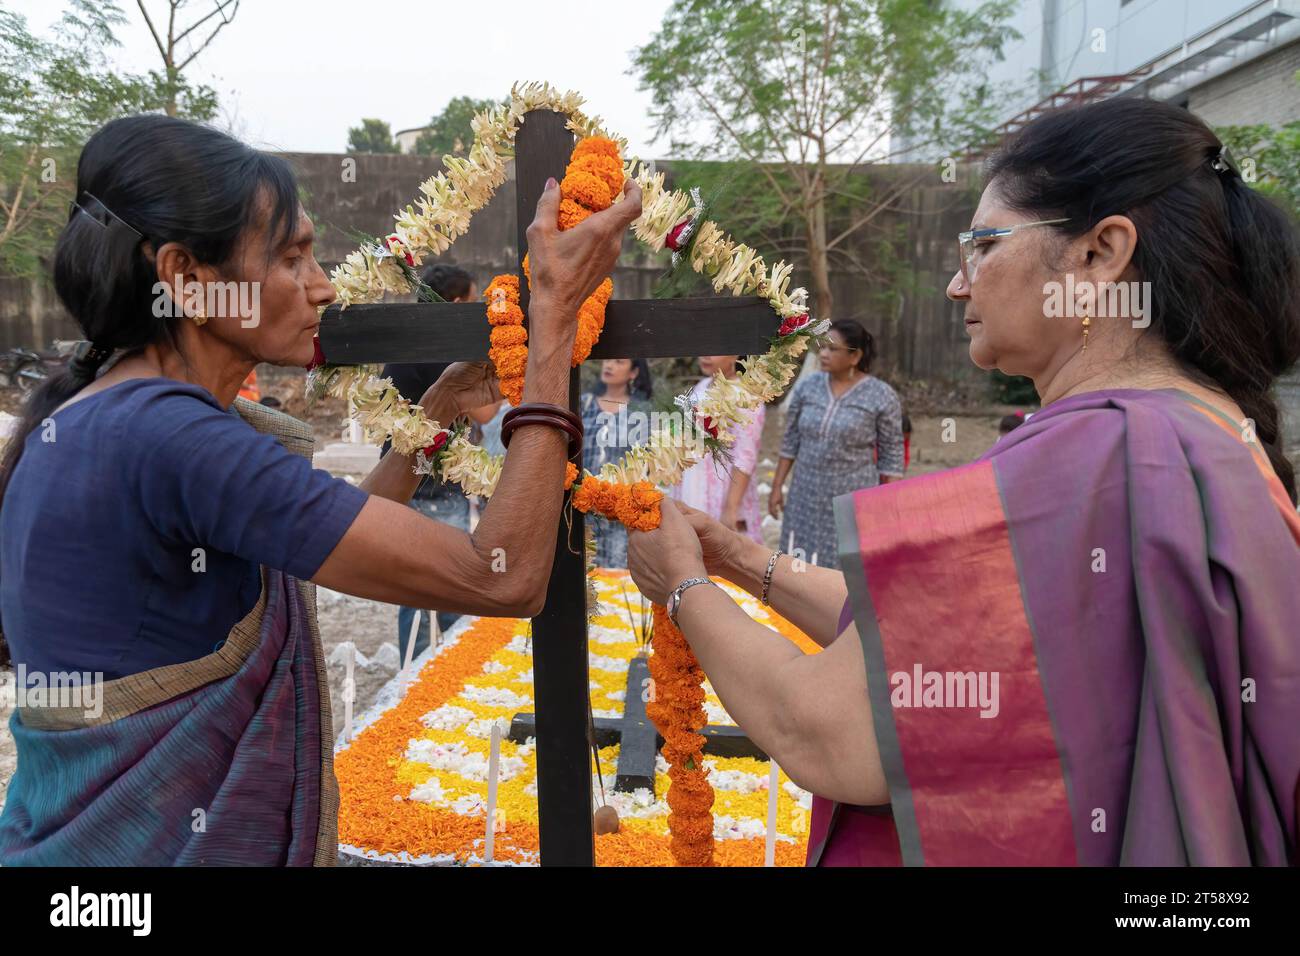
(839, 422)
(1083, 648)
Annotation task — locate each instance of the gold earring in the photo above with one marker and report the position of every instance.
(1087, 321)
(199, 316)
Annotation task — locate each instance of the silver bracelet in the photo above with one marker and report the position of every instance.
(675, 598)
(767, 577)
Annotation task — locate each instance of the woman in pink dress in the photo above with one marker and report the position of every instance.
(726, 493)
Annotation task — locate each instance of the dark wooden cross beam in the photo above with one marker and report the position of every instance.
(445, 332)
(637, 738)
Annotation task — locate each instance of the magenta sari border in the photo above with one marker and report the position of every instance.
(1067, 773)
(901, 798)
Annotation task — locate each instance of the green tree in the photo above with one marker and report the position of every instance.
(54, 92)
(372, 136)
(797, 94)
(450, 132)
(1269, 157)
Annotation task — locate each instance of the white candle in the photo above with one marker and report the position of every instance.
(769, 854)
(814, 560)
(410, 639)
(494, 762)
(349, 691)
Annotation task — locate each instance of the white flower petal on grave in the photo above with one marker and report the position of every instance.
(521, 644)
(495, 697)
(801, 796)
(447, 717)
(481, 727)
(602, 663)
(728, 828)
(431, 792)
(458, 759)
(736, 781)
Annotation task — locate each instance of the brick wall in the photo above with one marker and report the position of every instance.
(1264, 91)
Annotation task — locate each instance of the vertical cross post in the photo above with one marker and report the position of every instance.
(560, 684)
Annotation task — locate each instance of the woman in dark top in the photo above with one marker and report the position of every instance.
(153, 545)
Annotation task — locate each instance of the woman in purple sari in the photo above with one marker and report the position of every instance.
(159, 539)
(1083, 648)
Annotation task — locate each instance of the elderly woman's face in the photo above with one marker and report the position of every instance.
(285, 287)
(1004, 296)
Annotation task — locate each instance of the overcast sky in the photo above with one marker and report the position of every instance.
(295, 74)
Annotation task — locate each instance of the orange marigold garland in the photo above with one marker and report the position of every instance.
(677, 710)
(593, 178)
(508, 350)
(677, 706)
(636, 506)
(591, 181)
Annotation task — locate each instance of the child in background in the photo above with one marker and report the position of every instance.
(726, 493)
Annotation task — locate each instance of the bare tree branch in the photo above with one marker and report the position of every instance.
(740, 142)
(156, 39)
(220, 9)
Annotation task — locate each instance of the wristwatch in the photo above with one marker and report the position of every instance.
(675, 599)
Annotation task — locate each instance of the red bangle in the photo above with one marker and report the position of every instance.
(546, 407)
(565, 424)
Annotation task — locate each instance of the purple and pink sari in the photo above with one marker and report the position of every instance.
(1127, 567)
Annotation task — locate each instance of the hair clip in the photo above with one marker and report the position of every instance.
(93, 208)
(88, 355)
(1223, 162)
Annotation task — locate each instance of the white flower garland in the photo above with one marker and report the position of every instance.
(443, 212)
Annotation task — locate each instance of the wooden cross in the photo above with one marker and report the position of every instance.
(637, 738)
(650, 328)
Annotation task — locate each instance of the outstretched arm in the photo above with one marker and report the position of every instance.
(811, 713)
(391, 553)
(809, 597)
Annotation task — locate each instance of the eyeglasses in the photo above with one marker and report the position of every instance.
(967, 241)
(828, 347)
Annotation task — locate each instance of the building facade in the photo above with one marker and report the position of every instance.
(1231, 62)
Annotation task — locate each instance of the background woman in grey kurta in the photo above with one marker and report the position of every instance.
(837, 421)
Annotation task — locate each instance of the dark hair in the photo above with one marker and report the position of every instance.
(856, 337)
(642, 385)
(1223, 261)
(149, 179)
(450, 282)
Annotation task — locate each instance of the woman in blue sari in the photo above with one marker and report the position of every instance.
(156, 551)
(1084, 648)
